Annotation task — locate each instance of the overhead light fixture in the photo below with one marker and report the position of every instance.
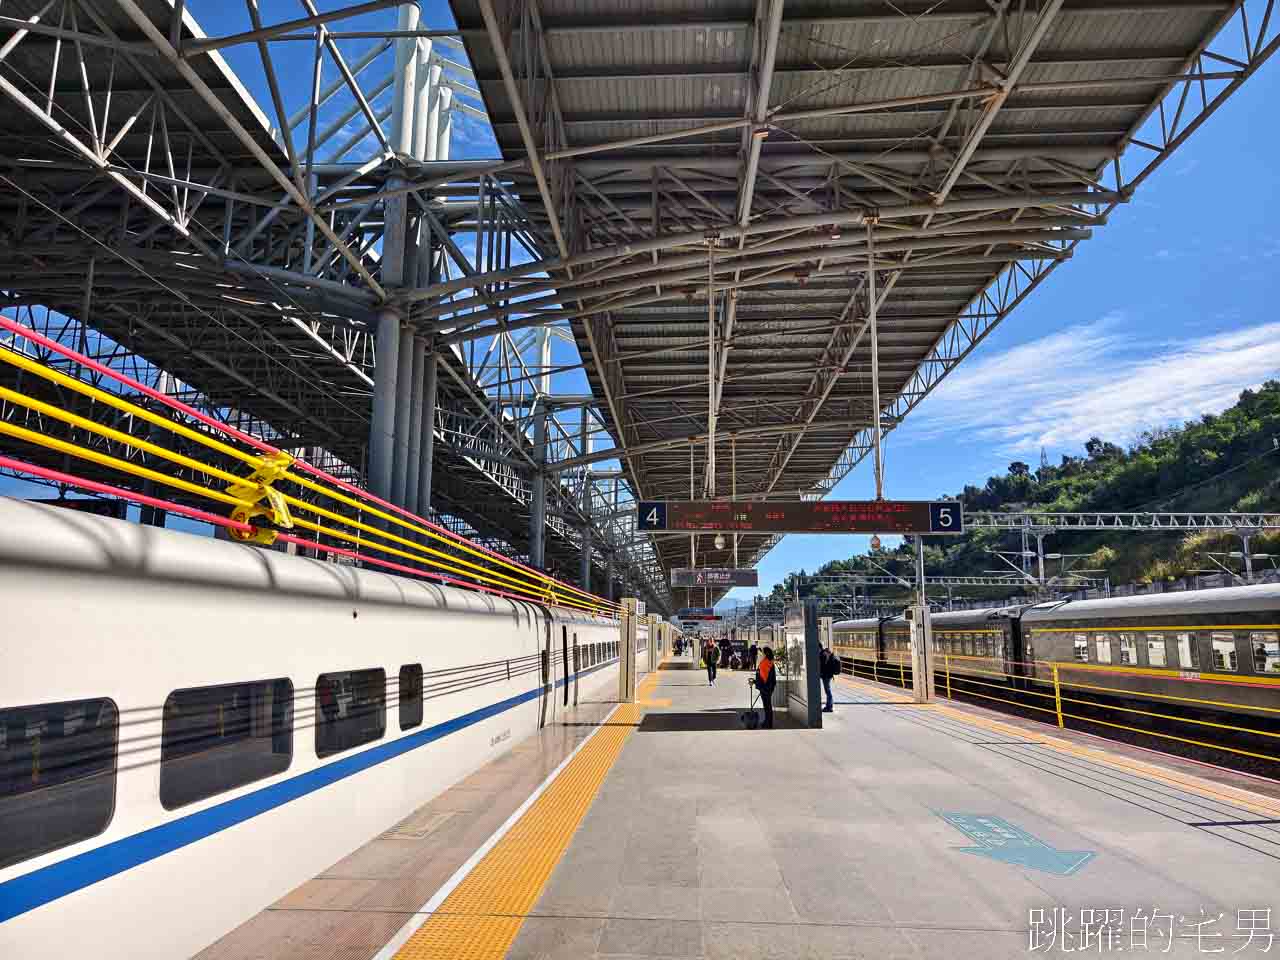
(835, 231)
(719, 541)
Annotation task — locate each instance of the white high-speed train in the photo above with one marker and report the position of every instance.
(189, 728)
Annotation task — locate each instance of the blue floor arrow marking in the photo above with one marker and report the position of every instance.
(998, 839)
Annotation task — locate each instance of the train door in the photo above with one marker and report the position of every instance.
(1015, 651)
(545, 657)
(577, 666)
(564, 659)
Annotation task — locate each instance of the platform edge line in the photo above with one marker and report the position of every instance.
(415, 920)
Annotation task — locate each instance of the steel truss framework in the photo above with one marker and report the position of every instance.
(753, 218)
(723, 181)
(154, 217)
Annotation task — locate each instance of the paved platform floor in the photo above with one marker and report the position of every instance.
(354, 908)
(899, 831)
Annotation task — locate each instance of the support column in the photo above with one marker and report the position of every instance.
(538, 496)
(446, 124)
(608, 577)
(433, 111)
(411, 485)
(384, 430)
(427, 440)
(875, 357)
(584, 448)
(404, 395)
(921, 635)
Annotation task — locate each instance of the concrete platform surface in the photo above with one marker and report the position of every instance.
(899, 831)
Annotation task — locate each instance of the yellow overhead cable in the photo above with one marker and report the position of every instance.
(297, 504)
(553, 589)
(112, 400)
(459, 543)
(339, 535)
(137, 470)
(128, 439)
(102, 459)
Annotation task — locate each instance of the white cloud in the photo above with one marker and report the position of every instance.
(1095, 379)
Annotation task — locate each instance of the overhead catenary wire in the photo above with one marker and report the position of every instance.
(551, 587)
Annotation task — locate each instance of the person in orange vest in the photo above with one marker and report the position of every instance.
(766, 679)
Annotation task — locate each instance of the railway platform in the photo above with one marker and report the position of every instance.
(667, 829)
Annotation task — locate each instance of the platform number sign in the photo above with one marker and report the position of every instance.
(946, 517)
(652, 515)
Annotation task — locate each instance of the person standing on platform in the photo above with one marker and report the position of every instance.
(766, 679)
(829, 666)
(753, 654)
(711, 654)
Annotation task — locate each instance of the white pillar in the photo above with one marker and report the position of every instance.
(446, 124)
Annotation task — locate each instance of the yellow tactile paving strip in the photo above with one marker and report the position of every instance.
(480, 919)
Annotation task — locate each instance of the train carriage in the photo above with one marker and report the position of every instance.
(172, 705)
(1226, 641)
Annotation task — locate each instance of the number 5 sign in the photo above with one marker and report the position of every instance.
(946, 517)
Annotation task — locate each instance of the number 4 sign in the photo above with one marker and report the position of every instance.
(652, 515)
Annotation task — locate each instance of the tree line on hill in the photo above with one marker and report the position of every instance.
(1228, 461)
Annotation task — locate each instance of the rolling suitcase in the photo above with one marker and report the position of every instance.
(750, 719)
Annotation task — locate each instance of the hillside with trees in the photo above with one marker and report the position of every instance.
(1226, 461)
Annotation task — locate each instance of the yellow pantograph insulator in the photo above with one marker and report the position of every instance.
(264, 499)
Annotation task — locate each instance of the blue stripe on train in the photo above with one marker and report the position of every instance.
(31, 890)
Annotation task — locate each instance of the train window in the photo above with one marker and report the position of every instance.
(1156, 653)
(1128, 649)
(350, 709)
(1266, 652)
(1186, 651)
(410, 695)
(57, 775)
(1224, 651)
(1103, 646)
(214, 739)
(1082, 648)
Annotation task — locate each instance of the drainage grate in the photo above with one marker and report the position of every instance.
(418, 825)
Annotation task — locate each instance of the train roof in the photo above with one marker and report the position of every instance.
(1189, 603)
(866, 623)
(38, 537)
(981, 616)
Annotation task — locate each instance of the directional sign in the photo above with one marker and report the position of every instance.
(700, 618)
(998, 839)
(688, 613)
(803, 516)
(715, 577)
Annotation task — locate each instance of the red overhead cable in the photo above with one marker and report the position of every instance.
(23, 330)
(105, 488)
(391, 565)
(84, 483)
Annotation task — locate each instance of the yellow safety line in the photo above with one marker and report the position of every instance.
(1251, 801)
(481, 918)
(1229, 794)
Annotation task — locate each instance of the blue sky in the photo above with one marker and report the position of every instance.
(1166, 313)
